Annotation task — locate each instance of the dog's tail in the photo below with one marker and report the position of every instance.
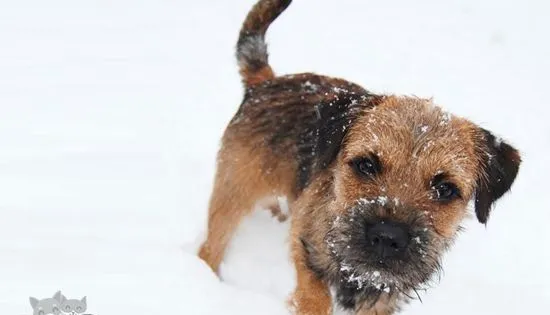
(251, 47)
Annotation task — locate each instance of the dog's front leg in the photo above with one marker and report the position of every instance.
(312, 295)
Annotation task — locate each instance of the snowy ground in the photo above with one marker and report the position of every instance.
(111, 111)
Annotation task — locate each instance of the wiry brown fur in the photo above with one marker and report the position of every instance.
(299, 135)
(266, 147)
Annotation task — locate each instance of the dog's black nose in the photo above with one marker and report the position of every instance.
(388, 239)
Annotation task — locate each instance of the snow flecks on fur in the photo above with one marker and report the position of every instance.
(396, 201)
(356, 269)
(428, 144)
(373, 279)
(309, 87)
(380, 200)
(445, 119)
(497, 142)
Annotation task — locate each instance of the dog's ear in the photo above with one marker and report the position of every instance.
(500, 165)
(334, 118)
(320, 143)
(333, 121)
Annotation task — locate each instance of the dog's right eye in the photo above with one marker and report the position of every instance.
(366, 166)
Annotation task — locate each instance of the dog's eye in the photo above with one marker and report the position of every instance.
(366, 166)
(446, 191)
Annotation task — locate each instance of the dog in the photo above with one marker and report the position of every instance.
(378, 185)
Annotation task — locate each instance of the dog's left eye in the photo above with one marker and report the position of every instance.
(366, 166)
(446, 191)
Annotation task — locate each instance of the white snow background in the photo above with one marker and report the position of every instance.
(111, 114)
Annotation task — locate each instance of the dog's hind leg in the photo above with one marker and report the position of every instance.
(241, 181)
(229, 204)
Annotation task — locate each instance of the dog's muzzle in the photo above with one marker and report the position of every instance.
(384, 247)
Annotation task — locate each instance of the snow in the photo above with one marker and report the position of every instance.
(445, 118)
(382, 200)
(112, 113)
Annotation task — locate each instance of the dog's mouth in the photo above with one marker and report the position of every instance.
(377, 254)
(370, 278)
(388, 276)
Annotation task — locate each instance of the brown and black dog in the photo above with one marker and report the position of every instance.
(378, 185)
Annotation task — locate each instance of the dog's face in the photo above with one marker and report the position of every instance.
(402, 180)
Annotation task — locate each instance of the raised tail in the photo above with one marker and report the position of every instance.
(251, 47)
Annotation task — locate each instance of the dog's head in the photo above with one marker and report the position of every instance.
(403, 172)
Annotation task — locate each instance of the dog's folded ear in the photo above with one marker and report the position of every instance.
(321, 143)
(334, 118)
(333, 121)
(500, 165)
